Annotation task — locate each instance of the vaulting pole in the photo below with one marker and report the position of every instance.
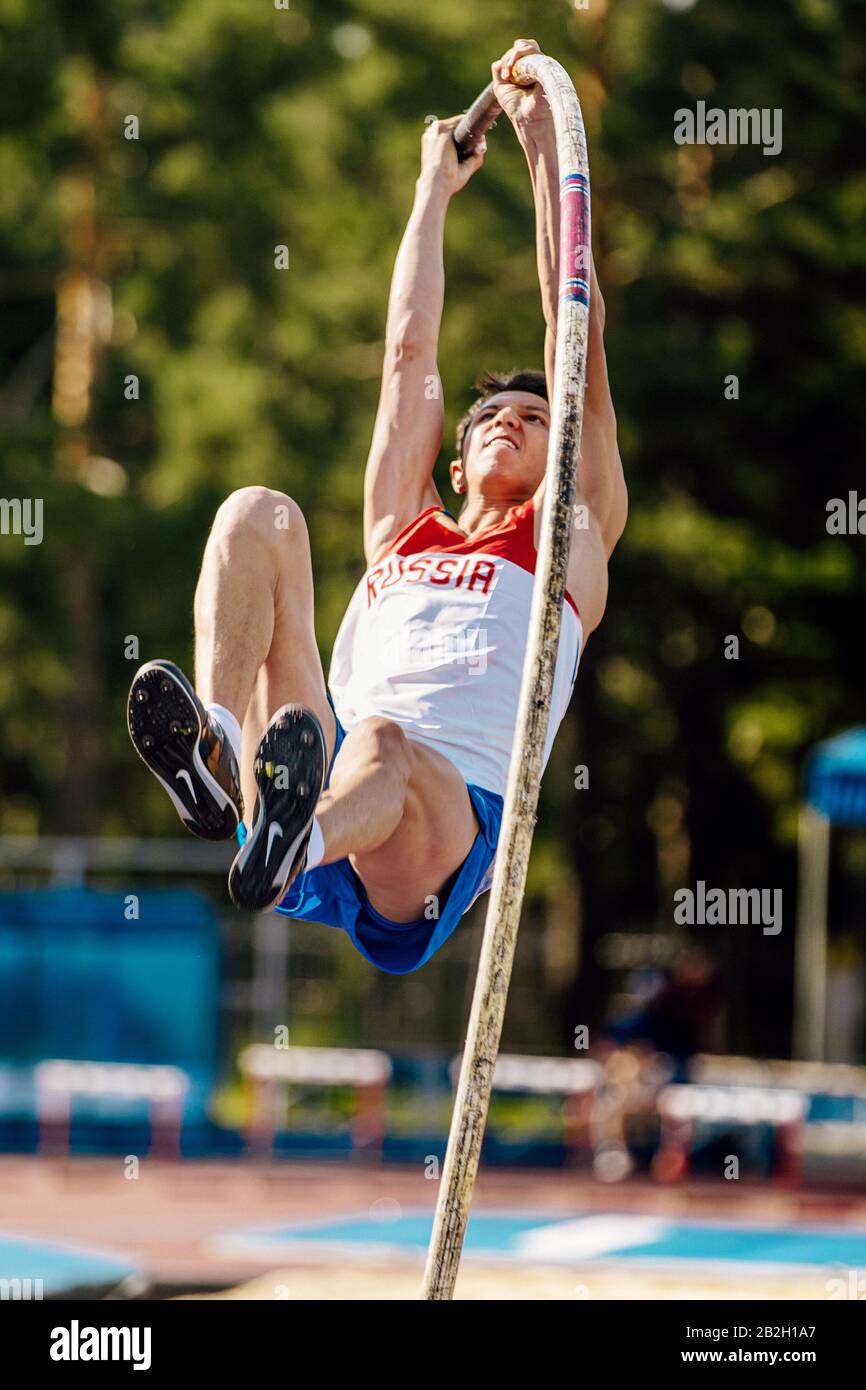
(524, 773)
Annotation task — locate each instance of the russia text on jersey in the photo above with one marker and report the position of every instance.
(472, 572)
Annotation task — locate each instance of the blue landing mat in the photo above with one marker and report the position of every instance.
(32, 1269)
(568, 1240)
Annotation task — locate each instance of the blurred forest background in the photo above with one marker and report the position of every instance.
(154, 257)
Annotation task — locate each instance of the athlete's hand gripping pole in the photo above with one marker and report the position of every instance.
(524, 774)
(481, 117)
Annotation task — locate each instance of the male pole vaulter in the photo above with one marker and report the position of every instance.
(374, 802)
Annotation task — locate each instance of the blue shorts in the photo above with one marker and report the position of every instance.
(334, 895)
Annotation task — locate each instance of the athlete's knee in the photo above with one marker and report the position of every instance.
(385, 744)
(260, 513)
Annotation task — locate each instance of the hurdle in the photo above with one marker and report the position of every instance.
(576, 1079)
(681, 1107)
(814, 1078)
(58, 1083)
(270, 1069)
(524, 774)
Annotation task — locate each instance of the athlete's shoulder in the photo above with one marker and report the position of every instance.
(430, 529)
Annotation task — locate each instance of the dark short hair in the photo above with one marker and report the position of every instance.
(490, 384)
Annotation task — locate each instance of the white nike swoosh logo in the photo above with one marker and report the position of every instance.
(274, 831)
(186, 777)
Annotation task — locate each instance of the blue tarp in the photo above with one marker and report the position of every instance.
(836, 778)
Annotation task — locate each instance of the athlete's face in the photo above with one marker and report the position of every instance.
(506, 453)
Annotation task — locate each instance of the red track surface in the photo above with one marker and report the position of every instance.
(164, 1219)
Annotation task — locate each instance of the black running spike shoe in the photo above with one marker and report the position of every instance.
(186, 749)
(290, 767)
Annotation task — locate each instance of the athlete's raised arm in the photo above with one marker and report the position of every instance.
(407, 436)
(601, 495)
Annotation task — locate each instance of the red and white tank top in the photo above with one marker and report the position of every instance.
(434, 638)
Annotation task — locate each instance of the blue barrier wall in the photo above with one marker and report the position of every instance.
(78, 980)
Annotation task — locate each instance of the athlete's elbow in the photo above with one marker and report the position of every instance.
(411, 334)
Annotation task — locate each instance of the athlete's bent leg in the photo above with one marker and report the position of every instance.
(254, 630)
(255, 642)
(401, 813)
(366, 798)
